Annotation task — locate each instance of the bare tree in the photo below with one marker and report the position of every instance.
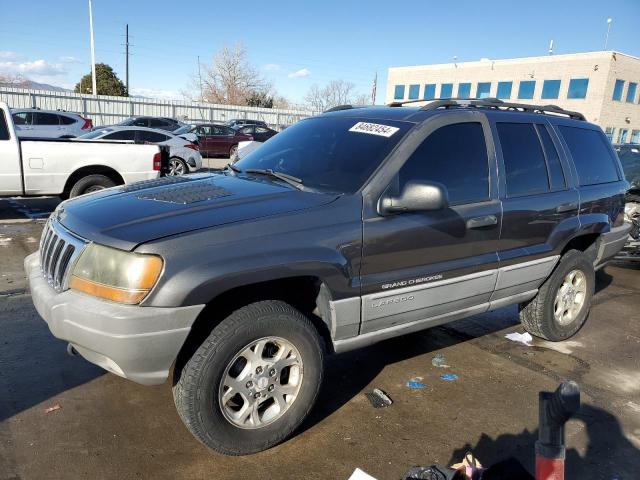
(232, 80)
(336, 92)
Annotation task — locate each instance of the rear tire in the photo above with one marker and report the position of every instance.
(206, 404)
(91, 183)
(571, 285)
(177, 167)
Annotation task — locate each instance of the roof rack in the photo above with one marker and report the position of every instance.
(494, 103)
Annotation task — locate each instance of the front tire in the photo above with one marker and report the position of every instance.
(253, 380)
(91, 183)
(563, 301)
(233, 154)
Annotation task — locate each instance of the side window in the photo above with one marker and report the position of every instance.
(525, 169)
(556, 175)
(140, 122)
(591, 155)
(22, 118)
(462, 166)
(4, 129)
(122, 135)
(262, 130)
(64, 120)
(43, 118)
(153, 137)
(246, 130)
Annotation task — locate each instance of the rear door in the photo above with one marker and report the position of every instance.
(424, 266)
(222, 139)
(10, 172)
(68, 126)
(539, 203)
(46, 125)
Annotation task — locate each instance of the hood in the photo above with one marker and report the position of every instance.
(126, 216)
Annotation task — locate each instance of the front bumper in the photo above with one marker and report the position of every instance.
(611, 243)
(137, 343)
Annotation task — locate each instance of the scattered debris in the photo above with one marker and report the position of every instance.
(439, 361)
(378, 398)
(4, 241)
(53, 408)
(434, 472)
(523, 338)
(360, 475)
(449, 376)
(416, 383)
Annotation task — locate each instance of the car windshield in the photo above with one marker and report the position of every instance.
(96, 133)
(335, 154)
(127, 121)
(183, 129)
(630, 160)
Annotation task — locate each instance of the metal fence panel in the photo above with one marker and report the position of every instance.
(107, 110)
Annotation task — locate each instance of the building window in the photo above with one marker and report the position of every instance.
(617, 90)
(578, 88)
(464, 90)
(398, 93)
(446, 90)
(414, 92)
(631, 92)
(504, 90)
(483, 90)
(635, 136)
(609, 133)
(429, 91)
(551, 89)
(526, 89)
(622, 135)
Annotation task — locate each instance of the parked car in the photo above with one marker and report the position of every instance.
(184, 156)
(629, 155)
(258, 132)
(219, 139)
(346, 229)
(239, 122)
(163, 123)
(33, 122)
(70, 167)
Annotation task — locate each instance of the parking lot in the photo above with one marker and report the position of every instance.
(107, 427)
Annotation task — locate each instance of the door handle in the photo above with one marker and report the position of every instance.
(566, 207)
(484, 221)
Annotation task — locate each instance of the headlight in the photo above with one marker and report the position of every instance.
(114, 274)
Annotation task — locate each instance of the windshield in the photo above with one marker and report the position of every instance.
(630, 160)
(335, 154)
(183, 129)
(96, 133)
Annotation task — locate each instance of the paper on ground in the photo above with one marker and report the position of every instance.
(360, 475)
(523, 338)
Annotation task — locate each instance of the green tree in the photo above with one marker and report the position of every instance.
(107, 82)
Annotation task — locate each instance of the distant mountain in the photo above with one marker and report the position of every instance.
(34, 86)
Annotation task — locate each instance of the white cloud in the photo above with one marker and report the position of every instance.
(8, 55)
(303, 72)
(156, 93)
(37, 67)
(271, 66)
(70, 59)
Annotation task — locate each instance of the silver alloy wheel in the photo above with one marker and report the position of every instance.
(176, 167)
(570, 297)
(261, 382)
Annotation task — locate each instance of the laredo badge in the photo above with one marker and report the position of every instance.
(374, 129)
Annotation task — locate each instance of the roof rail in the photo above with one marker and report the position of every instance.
(498, 104)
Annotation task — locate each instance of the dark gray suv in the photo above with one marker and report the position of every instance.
(346, 229)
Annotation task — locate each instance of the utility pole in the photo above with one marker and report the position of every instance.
(606, 39)
(126, 54)
(200, 79)
(93, 53)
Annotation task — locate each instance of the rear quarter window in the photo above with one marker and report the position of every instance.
(4, 129)
(591, 155)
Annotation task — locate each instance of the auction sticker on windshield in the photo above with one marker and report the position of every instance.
(374, 129)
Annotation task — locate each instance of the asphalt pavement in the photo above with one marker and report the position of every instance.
(61, 417)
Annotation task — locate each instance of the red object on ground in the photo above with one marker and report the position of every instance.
(549, 468)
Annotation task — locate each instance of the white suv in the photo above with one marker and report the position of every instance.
(33, 122)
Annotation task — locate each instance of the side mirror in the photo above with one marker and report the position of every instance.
(416, 196)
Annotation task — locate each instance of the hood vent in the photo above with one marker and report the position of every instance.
(185, 194)
(156, 182)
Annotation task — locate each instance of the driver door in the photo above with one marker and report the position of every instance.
(429, 265)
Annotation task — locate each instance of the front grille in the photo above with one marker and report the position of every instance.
(59, 249)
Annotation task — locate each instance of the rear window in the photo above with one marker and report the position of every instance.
(64, 120)
(591, 155)
(334, 154)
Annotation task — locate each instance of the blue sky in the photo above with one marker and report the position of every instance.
(48, 41)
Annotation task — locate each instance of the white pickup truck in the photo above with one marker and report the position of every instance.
(68, 167)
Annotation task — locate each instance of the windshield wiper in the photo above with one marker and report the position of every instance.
(231, 166)
(285, 177)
